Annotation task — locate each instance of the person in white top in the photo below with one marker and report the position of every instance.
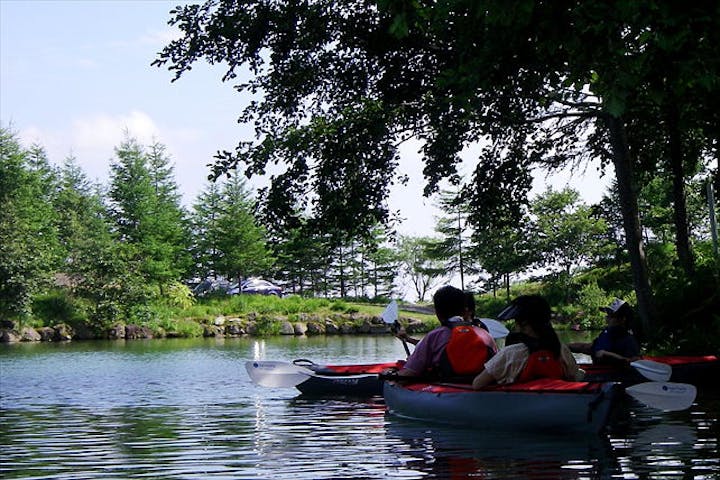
(532, 351)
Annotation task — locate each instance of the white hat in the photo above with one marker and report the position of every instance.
(616, 305)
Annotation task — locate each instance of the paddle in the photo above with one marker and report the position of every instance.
(391, 317)
(277, 374)
(666, 396)
(496, 329)
(656, 371)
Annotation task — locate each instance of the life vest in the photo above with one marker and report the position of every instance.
(467, 350)
(541, 364)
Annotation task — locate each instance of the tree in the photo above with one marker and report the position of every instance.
(29, 243)
(568, 234)
(145, 206)
(454, 231)
(240, 241)
(548, 83)
(415, 262)
(504, 250)
(94, 260)
(205, 240)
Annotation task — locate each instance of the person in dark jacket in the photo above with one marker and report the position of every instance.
(616, 344)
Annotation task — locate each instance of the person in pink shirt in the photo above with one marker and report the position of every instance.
(429, 357)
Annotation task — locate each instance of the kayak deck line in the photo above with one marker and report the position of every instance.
(367, 368)
(540, 385)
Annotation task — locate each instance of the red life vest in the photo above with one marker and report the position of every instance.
(541, 364)
(467, 350)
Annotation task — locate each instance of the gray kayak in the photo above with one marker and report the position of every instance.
(548, 405)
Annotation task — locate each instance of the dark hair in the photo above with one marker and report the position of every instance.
(470, 302)
(449, 302)
(535, 311)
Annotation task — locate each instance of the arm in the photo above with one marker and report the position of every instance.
(402, 335)
(483, 379)
(615, 357)
(581, 348)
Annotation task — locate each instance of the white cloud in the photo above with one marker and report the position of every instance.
(107, 131)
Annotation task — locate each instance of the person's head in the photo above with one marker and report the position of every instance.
(532, 316)
(469, 307)
(619, 312)
(449, 302)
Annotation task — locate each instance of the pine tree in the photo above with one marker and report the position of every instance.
(145, 206)
(29, 244)
(241, 242)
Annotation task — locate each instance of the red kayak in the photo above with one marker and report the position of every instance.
(701, 370)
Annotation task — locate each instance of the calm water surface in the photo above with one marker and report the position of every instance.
(185, 409)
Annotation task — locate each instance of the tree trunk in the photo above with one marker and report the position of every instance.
(631, 222)
(682, 237)
(460, 252)
(342, 272)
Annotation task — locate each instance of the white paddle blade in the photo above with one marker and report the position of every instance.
(496, 329)
(276, 374)
(655, 371)
(664, 395)
(391, 312)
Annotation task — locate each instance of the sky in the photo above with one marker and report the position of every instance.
(76, 75)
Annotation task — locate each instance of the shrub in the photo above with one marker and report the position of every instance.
(58, 306)
(590, 299)
(179, 295)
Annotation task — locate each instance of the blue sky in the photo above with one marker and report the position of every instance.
(74, 75)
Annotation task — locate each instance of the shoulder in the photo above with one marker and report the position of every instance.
(438, 332)
(511, 352)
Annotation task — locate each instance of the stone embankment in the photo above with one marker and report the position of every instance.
(250, 325)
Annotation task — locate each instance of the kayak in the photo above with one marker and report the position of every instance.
(697, 370)
(352, 380)
(546, 405)
(361, 380)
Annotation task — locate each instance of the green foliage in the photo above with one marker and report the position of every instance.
(241, 245)
(424, 271)
(29, 246)
(145, 206)
(179, 295)
(57, 306)
(266, 325)
(164, 325)
(590, 299)
(567, 233)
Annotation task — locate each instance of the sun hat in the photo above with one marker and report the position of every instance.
(615, 306)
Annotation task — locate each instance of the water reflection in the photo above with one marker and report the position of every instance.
(443, 452)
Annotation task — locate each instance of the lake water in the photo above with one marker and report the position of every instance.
(185, 409)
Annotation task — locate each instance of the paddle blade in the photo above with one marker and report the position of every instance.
(664, 395)
(496, 329)
(655, 371)
(276, 374)
(391, 312)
